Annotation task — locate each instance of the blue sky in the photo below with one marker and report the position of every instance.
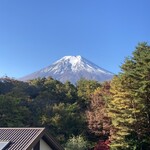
(36, 33)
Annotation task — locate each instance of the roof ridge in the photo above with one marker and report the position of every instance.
(37, 135)
(22, 128)
(26, 138)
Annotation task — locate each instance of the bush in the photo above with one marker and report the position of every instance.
(76, 143)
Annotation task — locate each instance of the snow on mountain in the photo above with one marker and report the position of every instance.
(72, 68)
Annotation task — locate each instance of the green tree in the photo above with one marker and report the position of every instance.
(84, 90)
(63, 120)
(71, 92)
(121, 112)
(129, 108)
(76, 143)
(13, 113)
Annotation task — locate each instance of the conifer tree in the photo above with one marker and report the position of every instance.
(121, 113)
(129, 108)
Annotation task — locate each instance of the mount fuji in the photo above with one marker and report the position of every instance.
(72, 68)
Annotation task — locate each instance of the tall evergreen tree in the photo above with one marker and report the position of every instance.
(130, 105)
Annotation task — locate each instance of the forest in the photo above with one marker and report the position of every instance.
(88, 115)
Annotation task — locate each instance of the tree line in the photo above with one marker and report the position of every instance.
(89, 115)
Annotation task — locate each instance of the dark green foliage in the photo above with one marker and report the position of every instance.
(41, 102)
(13, 113)
(70, 92)
(6, 85)
(84, 91)
(64, 119)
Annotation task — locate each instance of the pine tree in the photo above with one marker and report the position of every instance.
(121, 113)
(130, 105)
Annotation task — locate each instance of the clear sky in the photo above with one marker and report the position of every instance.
(36, 33)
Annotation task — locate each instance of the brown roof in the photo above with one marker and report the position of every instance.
(26, 138)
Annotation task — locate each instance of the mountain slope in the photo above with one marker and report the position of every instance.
(72, 68)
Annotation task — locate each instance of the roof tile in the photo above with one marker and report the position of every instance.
(20, 138)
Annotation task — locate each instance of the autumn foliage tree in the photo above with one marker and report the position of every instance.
(97, 116)
(102, 145)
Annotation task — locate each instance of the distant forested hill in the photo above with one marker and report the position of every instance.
(46, 102)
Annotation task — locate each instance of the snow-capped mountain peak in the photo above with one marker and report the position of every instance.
(73, 60)
(72, 68)
(75, 64)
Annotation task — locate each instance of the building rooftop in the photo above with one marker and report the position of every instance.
(25, 138)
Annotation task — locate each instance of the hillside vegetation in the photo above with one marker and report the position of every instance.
(111, 115)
